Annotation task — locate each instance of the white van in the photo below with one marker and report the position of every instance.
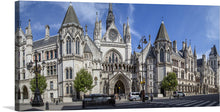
(134, 96)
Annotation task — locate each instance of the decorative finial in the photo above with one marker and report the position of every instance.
(96, 16)
(162, 20)
(127, 21)
(149, 37)
(70, 3)
(29, 20)
(189, 41)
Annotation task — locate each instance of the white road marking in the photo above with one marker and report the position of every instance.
(205, 102)
(193, 103)
(211, 104)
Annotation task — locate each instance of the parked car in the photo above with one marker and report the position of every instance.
(134, 96)
(178, 94)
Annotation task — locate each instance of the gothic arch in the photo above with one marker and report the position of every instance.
(113, 55)
(123, 78)
(25, 92)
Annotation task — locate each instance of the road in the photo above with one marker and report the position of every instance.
(188, 101)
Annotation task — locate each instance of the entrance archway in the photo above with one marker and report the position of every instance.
(119, 88)
(25, 92)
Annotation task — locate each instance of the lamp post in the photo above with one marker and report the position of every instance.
(37, 97)
(142, 42)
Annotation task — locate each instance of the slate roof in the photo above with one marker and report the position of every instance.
(45, 42)
(87, 49)
(162, 33)
(179, 53)
(70, 16)
(199, 62)
(213, 51)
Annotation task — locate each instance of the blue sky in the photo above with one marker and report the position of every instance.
(200, 24)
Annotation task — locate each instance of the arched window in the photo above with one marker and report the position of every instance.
(71, 89)
(68, 45)
(182, 74)
(161, 55)
(19, 94)
(25, 92)
(189, 76)
(116, 59)
(70, 73)
(77, 46)
(109, 60)
(113, 58)
(67, 89)
(67, 73)
(24, 76)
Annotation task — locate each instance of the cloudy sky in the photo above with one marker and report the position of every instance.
(198, 24)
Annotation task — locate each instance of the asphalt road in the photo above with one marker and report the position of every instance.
(188, 101)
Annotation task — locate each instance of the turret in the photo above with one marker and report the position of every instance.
(97, 31)
(47, 31)
(195, 59)
(127, 33)
(175, 46)
(203, 59)
(29, 44)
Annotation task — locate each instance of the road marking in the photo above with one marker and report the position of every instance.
(211, 104)
(193, 103)
(205, 102)
(186, 102)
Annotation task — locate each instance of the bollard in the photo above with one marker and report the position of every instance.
(47, 106)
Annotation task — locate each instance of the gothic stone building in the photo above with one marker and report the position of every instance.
(109, 59)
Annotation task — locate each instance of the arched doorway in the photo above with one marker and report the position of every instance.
(119, 88)
(25, 92)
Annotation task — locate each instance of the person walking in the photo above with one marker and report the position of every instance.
(151, 97)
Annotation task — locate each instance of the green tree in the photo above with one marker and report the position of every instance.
(42, 84)
(83, 82)
(169, 83)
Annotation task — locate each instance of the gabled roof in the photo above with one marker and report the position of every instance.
(87, 49)
(45, 42)
(162, 33)
(70, 16)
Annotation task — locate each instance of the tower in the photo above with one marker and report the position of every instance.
(29, 44)
(213, 61)
(110, 17)
(163, 50)
(127, 39)
(97, 31)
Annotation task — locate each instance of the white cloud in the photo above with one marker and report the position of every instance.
(212, 20)
(206, 53)
(40, 27)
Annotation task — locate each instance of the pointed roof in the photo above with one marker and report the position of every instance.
(213, 51)
(70, 16)
(162, 33)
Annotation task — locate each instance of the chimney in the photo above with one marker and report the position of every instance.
(183, 44)
(47, 31)
(174, 46)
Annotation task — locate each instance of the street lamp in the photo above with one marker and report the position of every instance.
(142, 42)
(37, 97)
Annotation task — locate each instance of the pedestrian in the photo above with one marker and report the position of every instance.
(119, 96)
(151, 97)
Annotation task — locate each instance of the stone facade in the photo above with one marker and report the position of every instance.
(109, 59)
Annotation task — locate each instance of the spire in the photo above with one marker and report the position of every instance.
(70, 16)
(162, 33)
(110, 17)
(127, 21)
(96, 16)
(110, 7)
(29, 27)
(186, 44)
(128, 28)
(194, 54)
